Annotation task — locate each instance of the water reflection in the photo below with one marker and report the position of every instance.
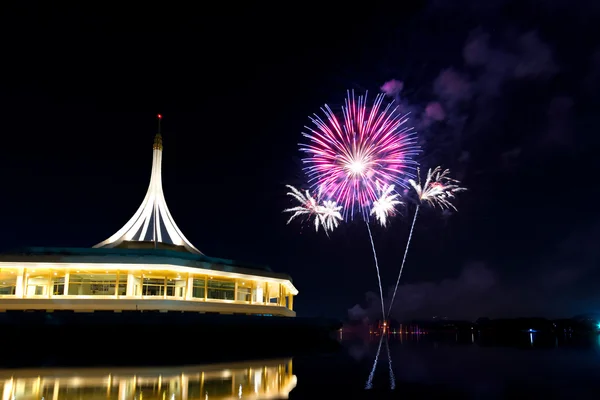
(484, 364)
(272, 379)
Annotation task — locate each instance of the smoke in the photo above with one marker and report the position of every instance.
(469, 102)
(392, 88)
(479, 290)
(452, 88)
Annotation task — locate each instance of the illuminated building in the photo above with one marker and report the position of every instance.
(271, 379)
(147, 265)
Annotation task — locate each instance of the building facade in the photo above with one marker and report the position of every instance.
(148, 265)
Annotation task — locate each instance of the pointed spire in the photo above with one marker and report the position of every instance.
(158, 145)
(152, 221)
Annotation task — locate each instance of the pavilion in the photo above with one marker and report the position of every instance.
(147, 265)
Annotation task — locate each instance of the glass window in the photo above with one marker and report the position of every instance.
(122, 288)
(273, 295)
(92, 284)
(8, 281)
(258, 293)
(198, 288)
(219, 387)
(58, 282)
(37, 282)
(244, 293)
(221, 289)
(153, 286)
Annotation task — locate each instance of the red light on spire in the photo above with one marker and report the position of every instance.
(159, 116)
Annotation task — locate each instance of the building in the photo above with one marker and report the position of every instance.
(147, 265)
(269, 379)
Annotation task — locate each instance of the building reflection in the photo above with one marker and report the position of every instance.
(272, 379)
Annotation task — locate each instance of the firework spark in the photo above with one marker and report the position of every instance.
(348, 157)
(385, 206)
(438, 189)
(326, 215)
(330, 214)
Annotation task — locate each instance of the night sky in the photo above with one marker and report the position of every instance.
(506, 95)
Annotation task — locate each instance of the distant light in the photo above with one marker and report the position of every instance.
(598, 325)
(159, 116)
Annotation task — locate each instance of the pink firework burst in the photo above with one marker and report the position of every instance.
(370, 146)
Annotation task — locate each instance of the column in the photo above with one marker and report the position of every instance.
(49, 284)
(20, 289)
(185, 383)
(189, 292)
(67, 283)
(130, 283)
(118, 276)
(55, 392)
(266, 292)
(235, 290)
(291, 302)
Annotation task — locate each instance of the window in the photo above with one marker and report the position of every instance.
(153, 287)
(198, 288)
(221, 289)
(258, 293)
(176, 286)
(244, 293)
(58, 286)
(273, 294)
(171, 286)
(37, 282)
(8, 282)
(95, 284)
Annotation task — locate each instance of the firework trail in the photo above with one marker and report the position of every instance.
(369, 384)
(383, 208)
(377, 269)
(392, 377)
(437, 190)
(350, 158)
(326, 215)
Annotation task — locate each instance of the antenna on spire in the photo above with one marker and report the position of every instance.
(159, 116)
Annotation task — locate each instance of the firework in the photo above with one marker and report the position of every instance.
(330, 214)
(438, 189)
(385, 205)
(326, 215)
(348, 157)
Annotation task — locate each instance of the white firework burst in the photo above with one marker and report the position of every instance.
(438, 188)
(385, 205)
(327, 215)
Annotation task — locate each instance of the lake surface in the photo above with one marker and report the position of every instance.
(423, 365)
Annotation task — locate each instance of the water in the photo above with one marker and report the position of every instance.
(429, 366)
